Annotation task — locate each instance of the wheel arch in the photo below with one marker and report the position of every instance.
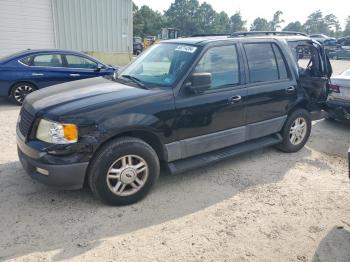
(22, 82)
(145, 135)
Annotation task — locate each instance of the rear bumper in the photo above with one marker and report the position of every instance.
(63, 176)
(338, 109)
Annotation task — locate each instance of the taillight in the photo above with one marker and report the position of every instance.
(334, 88)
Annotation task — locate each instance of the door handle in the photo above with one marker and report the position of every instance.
(235, 99)
(75, 75)
(37, 74)
(290, 89)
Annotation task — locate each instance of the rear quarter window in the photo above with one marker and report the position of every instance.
(26, 60)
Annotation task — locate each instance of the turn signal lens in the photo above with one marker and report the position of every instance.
(70, 132)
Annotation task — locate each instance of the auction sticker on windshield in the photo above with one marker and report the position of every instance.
(186, 48)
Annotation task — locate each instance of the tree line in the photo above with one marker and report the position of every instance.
(192, 18)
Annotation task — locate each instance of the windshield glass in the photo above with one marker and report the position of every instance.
(161, 65)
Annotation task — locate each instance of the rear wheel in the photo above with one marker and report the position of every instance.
(296, 131)
(20, 91)
(123, 171)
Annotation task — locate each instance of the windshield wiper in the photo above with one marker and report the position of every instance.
(135, 80)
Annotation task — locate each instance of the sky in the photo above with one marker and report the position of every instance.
(293, 10)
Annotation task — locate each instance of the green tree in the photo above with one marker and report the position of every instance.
(333, 25)
(147, 22)
(275, 23)
(182, 15)
(137, 21)
(205, 17)
(315, 23)
(347, 27)
(294, 26)
(221, 24)
(260, 24)
(237, 23)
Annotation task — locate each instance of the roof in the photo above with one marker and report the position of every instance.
(204, 40)
(27, 52)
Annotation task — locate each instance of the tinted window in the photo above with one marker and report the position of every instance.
(282, 69)
(262, 63)
(53, 60)
(222, 63)
(80, 62)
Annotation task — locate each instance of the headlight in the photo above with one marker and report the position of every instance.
(57, 133)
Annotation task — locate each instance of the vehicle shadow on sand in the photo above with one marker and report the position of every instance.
(35, 218)
(334, 247)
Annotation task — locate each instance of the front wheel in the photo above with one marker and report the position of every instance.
(123, 171)
(20, 91)
(296, 131)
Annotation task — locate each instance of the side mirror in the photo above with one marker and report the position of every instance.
(199, 82)
(99, 67)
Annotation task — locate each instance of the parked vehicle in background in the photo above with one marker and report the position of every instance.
(148, 41)
(29, 70)
(344, 42)
(339, 98)
(181, 104)
(137, 45)
(339, 54)
(331, 45)
(320, 37)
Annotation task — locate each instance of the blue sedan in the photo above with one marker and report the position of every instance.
(27, 71)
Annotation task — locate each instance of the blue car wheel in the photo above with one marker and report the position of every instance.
(20, 91)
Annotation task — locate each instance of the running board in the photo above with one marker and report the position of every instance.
(206, 159)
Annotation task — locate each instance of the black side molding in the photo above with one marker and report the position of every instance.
(206, 159)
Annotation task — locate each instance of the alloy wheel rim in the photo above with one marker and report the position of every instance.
(127, 175)
(297, 131)
(21, 92)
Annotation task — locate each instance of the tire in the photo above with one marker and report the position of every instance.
(116, 181)
(19, 91)
(290, 144)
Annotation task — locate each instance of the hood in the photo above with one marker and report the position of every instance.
(68, 97)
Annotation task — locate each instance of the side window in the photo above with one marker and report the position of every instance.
(222, 63)
(80, 62)
(53, 60)
(26, 60)
(261, 62)
(282, 69)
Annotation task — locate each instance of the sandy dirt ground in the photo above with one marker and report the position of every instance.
(261, 206)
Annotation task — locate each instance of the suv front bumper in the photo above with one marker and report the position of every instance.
(63, 176)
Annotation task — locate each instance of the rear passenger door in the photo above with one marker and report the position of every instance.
(271, 89)
(45, 69)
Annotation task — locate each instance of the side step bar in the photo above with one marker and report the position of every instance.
(206, 159)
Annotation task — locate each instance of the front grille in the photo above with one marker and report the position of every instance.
(26, 121)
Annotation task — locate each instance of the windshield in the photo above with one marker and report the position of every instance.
(161, 65)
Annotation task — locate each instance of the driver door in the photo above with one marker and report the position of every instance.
(214, 118)
(79, 67)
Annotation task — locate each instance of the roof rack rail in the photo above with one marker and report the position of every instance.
(203, 35)
(256, 33)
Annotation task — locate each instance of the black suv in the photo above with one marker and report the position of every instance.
(182, 104)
